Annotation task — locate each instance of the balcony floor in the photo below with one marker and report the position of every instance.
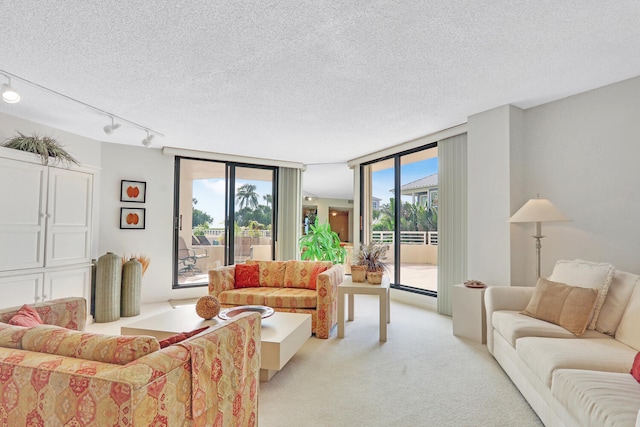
(421, 276)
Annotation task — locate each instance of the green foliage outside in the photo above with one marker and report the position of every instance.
(322, 244)
(200, 229)
(199, 217)
(412, 217)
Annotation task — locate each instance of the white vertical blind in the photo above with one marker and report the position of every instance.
(452, 218)
(289, 213)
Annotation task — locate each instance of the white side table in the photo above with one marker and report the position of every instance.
(469, 315)
(350, 288)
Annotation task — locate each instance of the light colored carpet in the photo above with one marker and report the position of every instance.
(422, 376)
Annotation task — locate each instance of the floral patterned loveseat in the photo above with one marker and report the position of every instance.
(53, 376)
(309, 287)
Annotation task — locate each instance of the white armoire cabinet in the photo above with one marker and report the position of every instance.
(45, 229)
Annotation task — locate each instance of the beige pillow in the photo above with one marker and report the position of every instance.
(617, 300)
(568, 306)
(628, 331)
(585, 274)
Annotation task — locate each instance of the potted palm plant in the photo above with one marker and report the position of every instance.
(322, 244)
(372, 256)
(44, 146)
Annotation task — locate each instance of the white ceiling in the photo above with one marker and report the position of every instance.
(308, 81)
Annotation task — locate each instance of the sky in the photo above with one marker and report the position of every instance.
(382, 180)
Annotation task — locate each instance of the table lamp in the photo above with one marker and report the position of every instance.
(538, 211)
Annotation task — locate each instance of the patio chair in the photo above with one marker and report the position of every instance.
(187, 257)
(203, 240)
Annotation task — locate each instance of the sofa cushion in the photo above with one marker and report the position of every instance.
(513, 325)
(97, 347)
(292, 298)
(617, 299)
(317, 270)
(247, 276)
(298, 273)
(564, 305)
(628, 331)
(70, 313)
(595, 398)
(27, 316)
(585, 274)
(11, 336)
(245, 296)
(545, 355)
(271, 273)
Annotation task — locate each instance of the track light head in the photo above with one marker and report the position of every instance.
(9, 95)
(108, 129)
(147, 141)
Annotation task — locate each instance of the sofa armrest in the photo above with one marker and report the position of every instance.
(222, 279)
(514, 298)
(70, 313)
(141, 384)
(225, 372)
(327, 304)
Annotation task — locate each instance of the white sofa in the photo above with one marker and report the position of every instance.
(568, 380)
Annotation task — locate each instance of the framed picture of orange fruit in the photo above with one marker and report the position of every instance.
(133, 191)
(132, 218)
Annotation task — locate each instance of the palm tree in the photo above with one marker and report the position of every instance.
(246, 196)
(268, 198)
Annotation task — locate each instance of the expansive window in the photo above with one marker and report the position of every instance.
(224, 214)
(400, 208)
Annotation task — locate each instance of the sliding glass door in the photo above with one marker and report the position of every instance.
(224, 214)
(400, 208)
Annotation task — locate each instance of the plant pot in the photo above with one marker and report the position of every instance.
(358, 273)
(374, 277)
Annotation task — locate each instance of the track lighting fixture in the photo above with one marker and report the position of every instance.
(147, 141)
(9, 94)
(108, 129)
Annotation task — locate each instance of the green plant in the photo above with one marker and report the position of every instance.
(200, 229)
(372, 255)
(322, 244)
(45, 147)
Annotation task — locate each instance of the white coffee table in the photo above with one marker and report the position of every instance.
(282, 334)
(351, 288)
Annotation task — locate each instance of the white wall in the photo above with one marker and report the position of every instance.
(489, 195)
(156, 240)
(580, 152)
(583, 154)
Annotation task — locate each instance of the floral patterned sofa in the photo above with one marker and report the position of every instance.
(288, 286)
(53, 376)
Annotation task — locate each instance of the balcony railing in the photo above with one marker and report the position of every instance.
(407, 237)
(215, 232)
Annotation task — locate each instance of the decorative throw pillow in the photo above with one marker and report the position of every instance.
(27, 316)
(313, 280)
(247, 276)
(568, 306)
(635, 369)
(173, 339)
(585, 274)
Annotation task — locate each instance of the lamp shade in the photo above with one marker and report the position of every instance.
(538, 210)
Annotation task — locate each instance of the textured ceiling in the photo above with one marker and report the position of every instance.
(306, 81)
